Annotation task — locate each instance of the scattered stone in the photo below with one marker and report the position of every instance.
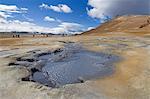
(33, 70)
(42, 54)
(10, 64)
(57, 51)
(25, 78)
(66, 42)
(81, 80)
(28, 60)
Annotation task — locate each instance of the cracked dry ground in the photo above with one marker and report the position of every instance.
(131, 79)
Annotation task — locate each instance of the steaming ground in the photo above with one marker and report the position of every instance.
(131, 79)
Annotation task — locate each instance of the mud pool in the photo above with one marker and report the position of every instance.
(68, 65)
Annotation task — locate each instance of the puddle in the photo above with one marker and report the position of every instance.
(71, 64)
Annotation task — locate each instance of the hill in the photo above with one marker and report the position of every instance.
(130, 24)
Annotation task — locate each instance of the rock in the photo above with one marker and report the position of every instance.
(10, 64)
(28, 60)
(57, 51)
(81, 80)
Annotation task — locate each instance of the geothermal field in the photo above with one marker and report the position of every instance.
(109, 62)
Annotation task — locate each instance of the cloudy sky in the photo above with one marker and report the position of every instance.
(64, 16)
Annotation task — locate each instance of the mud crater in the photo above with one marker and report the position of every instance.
(68, 65)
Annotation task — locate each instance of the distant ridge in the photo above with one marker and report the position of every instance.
(130, 24)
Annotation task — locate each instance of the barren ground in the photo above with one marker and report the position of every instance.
(131, 79)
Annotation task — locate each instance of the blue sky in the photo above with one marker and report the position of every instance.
(78, 15)
(58, 14)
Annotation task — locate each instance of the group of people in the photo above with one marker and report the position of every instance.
(44, 35)
(16, 36)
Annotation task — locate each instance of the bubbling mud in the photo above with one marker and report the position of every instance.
(68, 65)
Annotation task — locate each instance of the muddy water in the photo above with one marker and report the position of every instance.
(71, 64)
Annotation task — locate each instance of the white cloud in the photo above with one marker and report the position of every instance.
(59, 8)
(4, 15)
(27, 18)
(7, 10)
(12, 8)
(16, 25)
(102, 8)
(90, 28)
(99, 8)
(49, 19)
(65, 8)
(69, 28)
(7, 25)
(3, 20)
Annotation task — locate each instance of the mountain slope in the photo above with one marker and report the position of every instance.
(130, 24)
